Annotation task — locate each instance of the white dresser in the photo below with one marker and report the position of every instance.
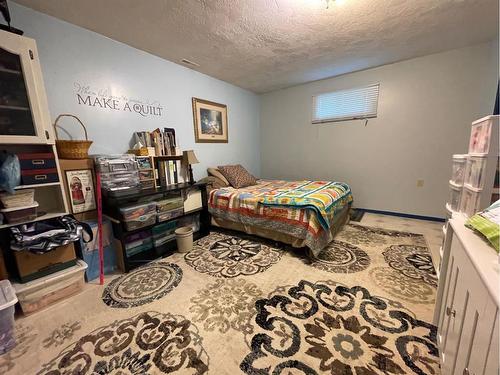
(467, 304)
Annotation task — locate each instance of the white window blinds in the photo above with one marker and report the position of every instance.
(359, 103)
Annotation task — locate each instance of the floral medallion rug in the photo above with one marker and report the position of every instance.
(241, 304)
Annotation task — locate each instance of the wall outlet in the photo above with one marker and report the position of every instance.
(420, 183)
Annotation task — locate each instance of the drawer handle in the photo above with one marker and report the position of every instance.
(41, 177)
(467, 372)
(38, 162)
(450, 312)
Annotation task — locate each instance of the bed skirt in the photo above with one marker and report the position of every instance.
(339, 221)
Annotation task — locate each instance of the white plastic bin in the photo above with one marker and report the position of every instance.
(458, 168)
(469, 203)
(480, 135)
(475, 170)
(45, 291)
(455, 194)
(7, 301)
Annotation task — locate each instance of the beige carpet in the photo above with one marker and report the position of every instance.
(237, 304)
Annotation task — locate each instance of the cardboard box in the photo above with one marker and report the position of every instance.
(72, 165)
(32, 266)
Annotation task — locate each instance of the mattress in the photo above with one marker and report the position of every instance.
(305, 211)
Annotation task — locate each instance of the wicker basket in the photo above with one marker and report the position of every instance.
(71, 149)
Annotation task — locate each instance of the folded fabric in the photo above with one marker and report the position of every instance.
(487, 223)
(43, 236)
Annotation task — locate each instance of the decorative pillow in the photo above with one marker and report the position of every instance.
(216, 173)
(213, 183)
(237, 176)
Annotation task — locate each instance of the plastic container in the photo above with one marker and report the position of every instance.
(20, 214)
(164, 216)
(455, 194)
(163, 233)
(184, 238)
(475, 171)
(115, 163)
(45, 291)
(469, 203)
(136, 211)
(7, 301)
(480, 135)
(20, 198)
(458, 168)
(169, 204)
(140, 222)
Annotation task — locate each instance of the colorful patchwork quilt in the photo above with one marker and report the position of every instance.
(303, 209)
(323, 197)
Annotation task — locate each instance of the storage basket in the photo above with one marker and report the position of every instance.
(20, 198)
(72, 149)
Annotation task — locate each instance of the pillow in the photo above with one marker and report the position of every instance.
(213, 183)
(237, 176)
(216, 173)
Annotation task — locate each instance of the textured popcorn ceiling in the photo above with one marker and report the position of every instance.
(264, 45)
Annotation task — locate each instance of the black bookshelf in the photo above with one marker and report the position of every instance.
(111, 208)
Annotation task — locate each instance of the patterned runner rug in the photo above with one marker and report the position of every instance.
(240, 304)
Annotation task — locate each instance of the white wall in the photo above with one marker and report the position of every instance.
(425, 109)
(70, 54)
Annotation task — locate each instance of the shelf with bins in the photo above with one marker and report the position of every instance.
(50, 196)
(144, 234)
(474, 183)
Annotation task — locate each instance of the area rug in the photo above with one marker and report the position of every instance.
(240, 304)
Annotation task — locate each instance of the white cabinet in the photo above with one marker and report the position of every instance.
(467, 304)
(25, 126)
(24, 116)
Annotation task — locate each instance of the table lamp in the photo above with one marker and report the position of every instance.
(190, 158)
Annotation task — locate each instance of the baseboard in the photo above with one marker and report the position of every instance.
(399, 214)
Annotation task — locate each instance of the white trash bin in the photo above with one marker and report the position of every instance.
(184, 237)
(8, 299)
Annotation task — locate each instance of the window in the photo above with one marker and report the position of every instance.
(360, 103)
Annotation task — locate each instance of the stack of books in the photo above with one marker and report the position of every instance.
(164, 142)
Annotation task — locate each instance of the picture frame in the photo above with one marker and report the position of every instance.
(81, 189)
(210, 121)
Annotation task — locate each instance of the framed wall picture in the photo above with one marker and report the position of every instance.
(210, 121)
(81, 190)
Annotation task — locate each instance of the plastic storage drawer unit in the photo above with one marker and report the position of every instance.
(480, 135)
(458, 168)
(455, 194)
(8, 300)
(469, 203)
(475, 171)
(43, 292)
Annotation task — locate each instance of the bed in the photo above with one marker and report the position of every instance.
(298, 213)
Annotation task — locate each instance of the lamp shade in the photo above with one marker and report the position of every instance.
(190, 157)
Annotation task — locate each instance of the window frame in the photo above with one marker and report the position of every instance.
(346, 118)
